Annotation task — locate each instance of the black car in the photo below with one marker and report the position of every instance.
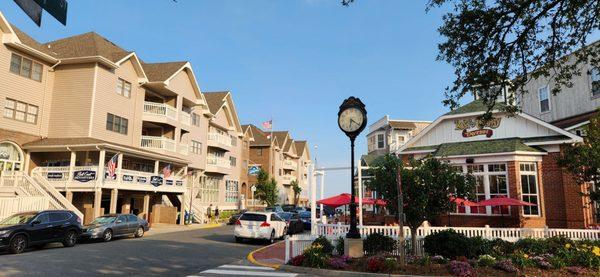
(306, 220)
(22, 230)
(294, 223)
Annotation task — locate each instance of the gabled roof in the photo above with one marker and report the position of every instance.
(474, 106)
(29, 41)
(160, 72)
(281, 137)
(290, 147)
(247, 130)
(301, 147)
(260, 137)
(215, 100)
(86, 45)
(402, 125)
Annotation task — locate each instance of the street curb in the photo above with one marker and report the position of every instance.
(336, 273)
(250, 258)
(211, 226)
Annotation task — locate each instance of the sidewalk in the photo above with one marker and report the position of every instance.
(271, 256)
(161, 228)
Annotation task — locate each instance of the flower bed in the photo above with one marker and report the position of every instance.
(475, 257)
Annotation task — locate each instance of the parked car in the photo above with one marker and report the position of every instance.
(299, 210)
(260, 225)
(274, 209)
(22, 230)
(305, 218)
(110, 226)
(294, 224)
(235, 217)
(288, 208)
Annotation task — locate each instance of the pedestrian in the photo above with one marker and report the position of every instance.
(209, 213)
(217, 214)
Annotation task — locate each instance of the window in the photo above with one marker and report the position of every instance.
(232, 161)
(529, 188)
(544, 99)
(58, 216)
(20, 111)
(380, 141)
(195, 119)
(196, 147)
(209, 190)
(490, 181)
(372, 143)
(116, 124)
(233, 140)
(132, 218)
(595, 76)
(26, 67)
(43, 218)
(123, 88)
(231, 191)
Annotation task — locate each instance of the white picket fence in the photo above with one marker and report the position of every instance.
(295, 245)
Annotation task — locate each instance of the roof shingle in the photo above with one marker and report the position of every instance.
(160, 72)
(85, 45)
(215, 100)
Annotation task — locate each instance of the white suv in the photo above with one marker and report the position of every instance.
(259, 225)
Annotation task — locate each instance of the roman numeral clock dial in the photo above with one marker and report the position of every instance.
(350, 120)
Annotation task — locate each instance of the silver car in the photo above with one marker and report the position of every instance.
(110, 226)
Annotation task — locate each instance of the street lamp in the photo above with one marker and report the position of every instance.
(352, 120)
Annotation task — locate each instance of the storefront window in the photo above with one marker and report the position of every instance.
(490, 181)
(231, 191)
(209, 190)
(529, 188)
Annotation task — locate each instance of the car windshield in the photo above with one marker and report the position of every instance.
(285, 216)
(17, 219)
(103, 220)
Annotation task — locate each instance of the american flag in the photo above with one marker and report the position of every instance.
(166, 171)
(268, 125)
(112, 165)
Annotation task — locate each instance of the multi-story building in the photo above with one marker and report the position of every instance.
(304, 161)
(277, 153)
(88, 126)
(247, 138)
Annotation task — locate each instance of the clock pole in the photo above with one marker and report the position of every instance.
(353, 232)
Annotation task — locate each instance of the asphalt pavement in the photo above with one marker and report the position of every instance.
(170, 254)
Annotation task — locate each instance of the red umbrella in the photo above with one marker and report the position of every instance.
(463, 202)
(338, 200)
(371, 201)
(503, 201)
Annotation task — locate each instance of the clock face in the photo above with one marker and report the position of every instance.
(350, 120)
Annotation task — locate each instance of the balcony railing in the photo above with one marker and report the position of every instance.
(185, 118)
(290, 164)
(219, 138)
(160, 109)
(161, 143)
(288, 178)
(219, 162)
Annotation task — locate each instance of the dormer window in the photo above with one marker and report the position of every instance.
(595, 77)
(380, 141)
(544, 99)
(123, 88)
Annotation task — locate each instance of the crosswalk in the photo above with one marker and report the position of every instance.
(243, 270)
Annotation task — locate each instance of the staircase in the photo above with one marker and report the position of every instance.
(31, 193)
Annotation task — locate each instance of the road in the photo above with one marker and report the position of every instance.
(172, 254)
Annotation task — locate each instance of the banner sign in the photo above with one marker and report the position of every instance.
(128, 178)
(482, 127)
(84, 175)
(54, 175)
(169, 182)
(253, 170)
(156, 180)
(142, 180)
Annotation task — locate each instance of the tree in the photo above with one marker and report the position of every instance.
(583, 160)
(297, 190)
(427, 185)
(266, 188)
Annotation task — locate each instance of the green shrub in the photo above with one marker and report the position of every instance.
(315, 256)
(377, 243)
(449, 244)
(486, 261)
(339, 247)
(500, 248)
(323, 241)
(532, 246)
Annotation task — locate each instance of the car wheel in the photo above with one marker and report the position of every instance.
(70, 239)
(18, 244)
(108, 235)
(272, 238)
(140, 232)
(238, 239)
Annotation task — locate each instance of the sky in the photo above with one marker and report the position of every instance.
(292, 61)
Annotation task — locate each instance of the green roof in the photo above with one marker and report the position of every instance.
(370, 159)
(475, 106)
(484, 147)
(421, 148)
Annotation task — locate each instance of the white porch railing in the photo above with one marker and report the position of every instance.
(219, 138)
(158, 143)
(13, 205)
(53, 173)
(160, 109)
(290, 164)
(219, 162)
(185, 118)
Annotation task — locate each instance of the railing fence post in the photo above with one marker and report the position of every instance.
(488, 232)
(546, 232)
(287, 249)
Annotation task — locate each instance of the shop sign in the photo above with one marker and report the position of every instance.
(84, 175)
(128, 178)
(169, 182)
(141, 179)
(4, 155)
(156, 181)
(253, 170)
(54, 175)
(482, 127)
(179, 183)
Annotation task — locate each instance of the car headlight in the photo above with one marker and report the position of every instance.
(2, 233)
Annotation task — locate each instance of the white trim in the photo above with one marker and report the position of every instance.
(138, 66)
(419, 151)
(547, 87)
(92, 112)
(32, 51)
(495, 154)
(577, 125)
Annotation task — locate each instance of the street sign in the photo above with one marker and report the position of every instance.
(33, 8)
(253, 188)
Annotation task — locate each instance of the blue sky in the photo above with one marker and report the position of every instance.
(293, 61)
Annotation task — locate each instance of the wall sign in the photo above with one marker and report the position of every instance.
(141, 179)
(54, 175)
(169, 182)
(84, 175)
(4, 155)
(179, 183)
(482, 128)
(253, 170)
(156, 181)
(128, 178)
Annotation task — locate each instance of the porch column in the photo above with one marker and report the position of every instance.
(72, 166)
(156, 164)
(114, 193)
(97, 202)
(119, 167)
(69, 196)
(27, 161)
(146, 207)
(101, 159)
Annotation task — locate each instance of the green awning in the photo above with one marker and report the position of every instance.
(484, 147)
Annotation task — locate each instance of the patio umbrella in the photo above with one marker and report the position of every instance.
(503, 201)
(461, 202)
(371, 201)
(338, 200)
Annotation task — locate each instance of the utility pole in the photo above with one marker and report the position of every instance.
(400, 216)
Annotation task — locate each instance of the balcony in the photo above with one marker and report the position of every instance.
(185, 118)
(183, 149)
(159, 112)
(158, 143)
(287, 179)
(289, 164)
(218, 165)
(219, 140)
